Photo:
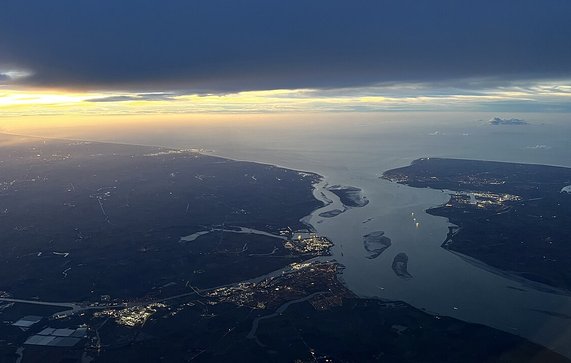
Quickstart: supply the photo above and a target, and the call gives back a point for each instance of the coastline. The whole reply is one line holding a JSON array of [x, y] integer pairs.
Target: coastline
[[500, 209], [313, 219]]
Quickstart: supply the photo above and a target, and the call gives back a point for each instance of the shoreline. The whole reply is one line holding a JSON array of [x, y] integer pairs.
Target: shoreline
[[312, 218], [494, 189], [167, 148]]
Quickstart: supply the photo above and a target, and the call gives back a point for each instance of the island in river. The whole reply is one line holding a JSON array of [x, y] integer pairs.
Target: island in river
[[514, 217], [115, 253]]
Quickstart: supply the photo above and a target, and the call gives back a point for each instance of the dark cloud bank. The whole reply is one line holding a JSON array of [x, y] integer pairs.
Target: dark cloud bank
[[141, 97], [226, 45]]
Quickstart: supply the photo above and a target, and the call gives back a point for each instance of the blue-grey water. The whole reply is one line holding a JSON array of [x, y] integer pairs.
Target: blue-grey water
[[355, 150]]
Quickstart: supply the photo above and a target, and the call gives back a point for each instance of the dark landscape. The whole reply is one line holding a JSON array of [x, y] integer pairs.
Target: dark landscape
[[515, 217], [202, 181], [115, 253]]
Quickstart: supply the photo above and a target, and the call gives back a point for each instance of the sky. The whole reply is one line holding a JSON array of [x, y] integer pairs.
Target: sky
[[74, 59]]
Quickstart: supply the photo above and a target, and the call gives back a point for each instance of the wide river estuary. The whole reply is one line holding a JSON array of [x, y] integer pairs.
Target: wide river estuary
[[355, 153]]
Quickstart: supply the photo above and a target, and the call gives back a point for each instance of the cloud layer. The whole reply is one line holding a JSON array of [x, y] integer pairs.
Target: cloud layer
[[138, 97], [507, 121], [232, 45]]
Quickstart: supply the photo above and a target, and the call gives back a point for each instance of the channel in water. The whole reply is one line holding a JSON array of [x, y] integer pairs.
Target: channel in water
[[442, 282]]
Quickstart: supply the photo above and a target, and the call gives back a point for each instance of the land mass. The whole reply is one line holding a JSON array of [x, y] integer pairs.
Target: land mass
[[115, 253], [351, 197], [376, 243], [80, 219], [515, 217]]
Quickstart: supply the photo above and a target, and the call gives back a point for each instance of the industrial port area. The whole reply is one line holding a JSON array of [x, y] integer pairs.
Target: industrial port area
[[79, 331]]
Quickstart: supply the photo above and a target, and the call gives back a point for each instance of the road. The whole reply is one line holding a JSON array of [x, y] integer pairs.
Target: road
[[72, 307]]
